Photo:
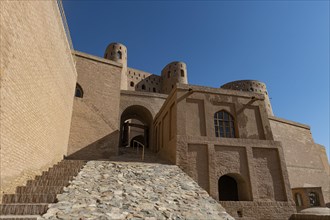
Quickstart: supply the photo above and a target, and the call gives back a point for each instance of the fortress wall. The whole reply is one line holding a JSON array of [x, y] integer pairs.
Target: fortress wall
[[253, 158], [306, 161], [94, 130], [37, 86], [151, 82]]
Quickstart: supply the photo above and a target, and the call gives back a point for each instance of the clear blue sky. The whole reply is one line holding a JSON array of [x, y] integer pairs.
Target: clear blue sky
[[282, 43]]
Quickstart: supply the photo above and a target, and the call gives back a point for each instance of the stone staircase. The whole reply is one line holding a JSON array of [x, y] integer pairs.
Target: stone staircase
[[31, 201]]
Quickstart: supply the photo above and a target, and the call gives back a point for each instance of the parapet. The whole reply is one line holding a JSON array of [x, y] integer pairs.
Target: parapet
[[251, 86]]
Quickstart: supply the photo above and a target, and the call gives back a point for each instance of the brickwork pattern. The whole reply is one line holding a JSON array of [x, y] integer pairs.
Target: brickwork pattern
[[37, 85], [95, 115], [33, 199], [306, 161]]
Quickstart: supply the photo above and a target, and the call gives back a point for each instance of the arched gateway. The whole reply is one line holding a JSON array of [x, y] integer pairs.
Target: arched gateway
[[136, 121]]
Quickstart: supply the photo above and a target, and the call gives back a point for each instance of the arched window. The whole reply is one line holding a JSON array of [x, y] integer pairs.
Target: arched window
[[314, 199], [143, 87], [132, 84], [228, 190], [79, 92], [182, 73], [119, 55], [224, 125], [298, 199]]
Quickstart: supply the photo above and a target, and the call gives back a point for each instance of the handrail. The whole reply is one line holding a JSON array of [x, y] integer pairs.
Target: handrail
[[137, 146]]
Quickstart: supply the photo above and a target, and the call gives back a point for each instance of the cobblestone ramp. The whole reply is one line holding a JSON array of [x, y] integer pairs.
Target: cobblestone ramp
[[121, 190], [31, 201]]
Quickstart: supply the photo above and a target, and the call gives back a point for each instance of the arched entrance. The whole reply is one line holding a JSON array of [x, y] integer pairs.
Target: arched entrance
[[135, 121], [228, 190], [233, 187]]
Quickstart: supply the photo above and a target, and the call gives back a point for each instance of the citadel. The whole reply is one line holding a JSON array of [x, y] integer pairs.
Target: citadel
[[59, 103]]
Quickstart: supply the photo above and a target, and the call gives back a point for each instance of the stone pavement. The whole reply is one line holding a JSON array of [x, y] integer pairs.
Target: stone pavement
[[134, 190]]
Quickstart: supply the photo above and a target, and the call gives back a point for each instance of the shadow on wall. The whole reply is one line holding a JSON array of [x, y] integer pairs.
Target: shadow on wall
[[148, 84], [100, 149]]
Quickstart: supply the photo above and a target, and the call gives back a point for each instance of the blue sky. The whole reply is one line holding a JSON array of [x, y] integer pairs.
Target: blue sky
[[282, 43]]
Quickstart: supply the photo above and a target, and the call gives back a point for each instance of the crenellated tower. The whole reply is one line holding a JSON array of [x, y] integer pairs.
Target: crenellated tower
[[118, 53], [173, 73], [251, 86]]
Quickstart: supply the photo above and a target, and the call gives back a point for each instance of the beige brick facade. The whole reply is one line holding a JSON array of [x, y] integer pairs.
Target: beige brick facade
[[224, 138], [306, 161], [37, 88], [95, 125]]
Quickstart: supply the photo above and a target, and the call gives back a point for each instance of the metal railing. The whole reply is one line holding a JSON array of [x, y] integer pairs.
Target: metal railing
[[138, 144]]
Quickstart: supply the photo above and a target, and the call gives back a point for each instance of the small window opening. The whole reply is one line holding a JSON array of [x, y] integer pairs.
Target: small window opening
[[143, 87], [154, 89], [168, 74], [79, 92], [298, 199], [314, 199], [132, 84], [240, 213], [182, 73], [119, 55]]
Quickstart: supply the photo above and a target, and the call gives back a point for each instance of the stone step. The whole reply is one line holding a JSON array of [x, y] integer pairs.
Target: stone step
[[71, 162], [52, 177], [60, 173], [28, 198], [64, 169], [19, 217], [23, 209], [47, 183], [39, 189]]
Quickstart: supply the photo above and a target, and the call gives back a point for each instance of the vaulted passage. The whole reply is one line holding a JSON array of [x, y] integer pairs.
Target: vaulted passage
[[228, 190], [136, 124]]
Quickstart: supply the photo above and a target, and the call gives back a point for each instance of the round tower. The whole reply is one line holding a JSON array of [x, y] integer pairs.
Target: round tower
[[118, 53], [173, 73], [251, 86]]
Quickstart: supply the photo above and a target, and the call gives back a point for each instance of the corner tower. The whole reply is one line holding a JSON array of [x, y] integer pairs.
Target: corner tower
[[118, 52], [172, 73], [251, 86]]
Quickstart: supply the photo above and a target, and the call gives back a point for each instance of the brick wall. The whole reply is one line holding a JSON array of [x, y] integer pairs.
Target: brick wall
[[94, 130], [306, 161], [37, 86]]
